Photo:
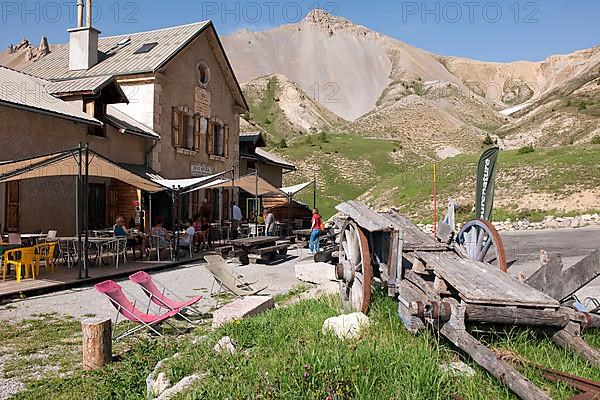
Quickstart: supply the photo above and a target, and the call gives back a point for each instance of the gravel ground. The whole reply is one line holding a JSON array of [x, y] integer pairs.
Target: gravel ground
[[190, 280]]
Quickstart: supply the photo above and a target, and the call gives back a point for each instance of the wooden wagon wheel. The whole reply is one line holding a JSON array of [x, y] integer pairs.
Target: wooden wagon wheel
[[354, 269], [478, 240]]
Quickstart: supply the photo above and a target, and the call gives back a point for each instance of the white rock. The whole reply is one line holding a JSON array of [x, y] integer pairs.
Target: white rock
[[346, 326], [565, 224], [160, 384], [317, 273], [225, 344], [595, 217], [179, 387], [458, 368], [586, 217]]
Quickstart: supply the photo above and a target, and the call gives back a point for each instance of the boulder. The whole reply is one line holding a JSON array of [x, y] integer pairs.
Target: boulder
[[225, 345], [346, 326], [240, 308], [317, 273], [160, 384]]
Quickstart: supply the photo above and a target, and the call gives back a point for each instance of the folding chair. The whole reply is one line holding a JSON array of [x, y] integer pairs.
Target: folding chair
[[127, 309], [156, 293], [226, 280]]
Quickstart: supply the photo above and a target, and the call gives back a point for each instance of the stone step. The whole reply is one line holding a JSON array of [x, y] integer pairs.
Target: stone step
[[241, 308]]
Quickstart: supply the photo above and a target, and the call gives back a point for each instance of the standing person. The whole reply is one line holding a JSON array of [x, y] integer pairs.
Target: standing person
[[315, 233], [269, 222], [236, 219], [205, 211]]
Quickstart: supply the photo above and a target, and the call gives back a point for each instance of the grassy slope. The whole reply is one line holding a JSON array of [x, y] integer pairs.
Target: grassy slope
[[345, 165], [561, 170], [282, 354]]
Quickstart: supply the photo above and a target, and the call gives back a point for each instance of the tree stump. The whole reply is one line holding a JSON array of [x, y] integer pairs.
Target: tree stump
[[97, 343]]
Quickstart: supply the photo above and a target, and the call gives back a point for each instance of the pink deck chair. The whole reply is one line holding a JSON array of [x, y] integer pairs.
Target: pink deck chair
[[127, 309], [156, 293]]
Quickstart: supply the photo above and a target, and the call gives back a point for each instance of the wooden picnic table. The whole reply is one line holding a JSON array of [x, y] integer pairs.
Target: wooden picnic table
[[259, 248]]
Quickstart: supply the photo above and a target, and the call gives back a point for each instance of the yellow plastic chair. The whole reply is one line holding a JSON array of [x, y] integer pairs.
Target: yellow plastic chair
[[20, 258], [44, 252]]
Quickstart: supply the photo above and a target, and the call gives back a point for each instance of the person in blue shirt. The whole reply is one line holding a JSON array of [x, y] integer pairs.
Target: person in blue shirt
[[133, 240]]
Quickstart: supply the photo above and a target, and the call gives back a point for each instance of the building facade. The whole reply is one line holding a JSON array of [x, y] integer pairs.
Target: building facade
[[171, 107]]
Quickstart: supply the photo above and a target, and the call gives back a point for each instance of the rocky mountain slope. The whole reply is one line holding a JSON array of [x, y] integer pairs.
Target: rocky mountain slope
[[389, 89]]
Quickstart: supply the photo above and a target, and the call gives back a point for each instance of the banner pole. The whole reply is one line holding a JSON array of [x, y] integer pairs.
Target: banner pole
[[435, 199]]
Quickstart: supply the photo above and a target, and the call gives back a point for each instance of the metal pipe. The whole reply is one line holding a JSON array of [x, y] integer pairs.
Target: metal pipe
[[86, 213], [88, 10], [80, 13], [78, 209]]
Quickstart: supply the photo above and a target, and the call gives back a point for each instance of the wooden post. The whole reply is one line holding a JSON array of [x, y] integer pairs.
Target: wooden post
[[97, 343], [435, 200]]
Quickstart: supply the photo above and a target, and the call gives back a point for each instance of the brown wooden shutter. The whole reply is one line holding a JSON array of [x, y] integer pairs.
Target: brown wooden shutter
[[210, 138], [176, 127], [226, 141], [197, 132]]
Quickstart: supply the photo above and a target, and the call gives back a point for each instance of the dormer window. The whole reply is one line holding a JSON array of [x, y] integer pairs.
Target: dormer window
[[146, 48]]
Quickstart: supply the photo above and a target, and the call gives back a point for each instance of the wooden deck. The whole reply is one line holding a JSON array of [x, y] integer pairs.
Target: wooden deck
[[65, 278]]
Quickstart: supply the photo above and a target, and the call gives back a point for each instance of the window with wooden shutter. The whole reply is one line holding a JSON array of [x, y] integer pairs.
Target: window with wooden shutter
[[176, 127], [197, 118], [226, 147], [210, 141]]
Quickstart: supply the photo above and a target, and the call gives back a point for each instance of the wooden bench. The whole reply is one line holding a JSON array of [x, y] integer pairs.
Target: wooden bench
[[224, 251], [268, 253]]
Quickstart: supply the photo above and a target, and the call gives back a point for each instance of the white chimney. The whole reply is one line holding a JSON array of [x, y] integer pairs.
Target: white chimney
[[83, 40]]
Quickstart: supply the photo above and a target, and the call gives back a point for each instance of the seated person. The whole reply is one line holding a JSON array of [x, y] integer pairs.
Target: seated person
[[186, 239], [160, 232], [133, 240]]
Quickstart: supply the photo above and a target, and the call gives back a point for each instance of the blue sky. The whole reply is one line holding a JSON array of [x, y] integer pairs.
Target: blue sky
[[501, 30]]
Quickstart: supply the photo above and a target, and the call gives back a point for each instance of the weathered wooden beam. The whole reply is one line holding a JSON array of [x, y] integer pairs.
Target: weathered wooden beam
[[558, 283], [325, 255], [408, 293], [516, 316], [454, 330], [569, 338], [394, 262]]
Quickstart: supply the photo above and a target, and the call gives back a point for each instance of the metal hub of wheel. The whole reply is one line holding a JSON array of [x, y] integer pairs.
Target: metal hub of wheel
[[478, 240], [354, 270]]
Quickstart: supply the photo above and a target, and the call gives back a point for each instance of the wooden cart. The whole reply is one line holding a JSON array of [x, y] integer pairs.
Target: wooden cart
[[447, 286]]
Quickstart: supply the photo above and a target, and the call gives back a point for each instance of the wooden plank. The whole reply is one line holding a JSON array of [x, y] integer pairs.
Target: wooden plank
[[480, 284], [413, 237], [365, 217], [454, 330], [559, 283]]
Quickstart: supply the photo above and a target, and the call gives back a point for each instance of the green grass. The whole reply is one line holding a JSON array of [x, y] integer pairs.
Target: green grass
[[346, 165], [562, 170], [282, 354]]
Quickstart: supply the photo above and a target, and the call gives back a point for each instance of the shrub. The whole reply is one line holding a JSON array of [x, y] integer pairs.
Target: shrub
[[582, 106], [323, 137], [596, 140], [526, 150], [282, 144], [488, 140]]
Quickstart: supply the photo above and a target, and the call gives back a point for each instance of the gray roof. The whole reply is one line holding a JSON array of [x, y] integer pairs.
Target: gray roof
[[91, 85], [273, 159], [128, 124], [121, 60], [30, 93]]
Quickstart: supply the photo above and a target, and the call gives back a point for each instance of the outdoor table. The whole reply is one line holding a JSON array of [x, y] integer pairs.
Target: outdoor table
[[95, 241], [6, 247], [260, 247]]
